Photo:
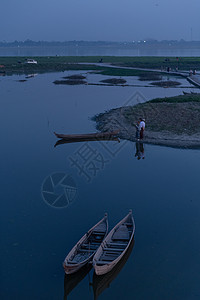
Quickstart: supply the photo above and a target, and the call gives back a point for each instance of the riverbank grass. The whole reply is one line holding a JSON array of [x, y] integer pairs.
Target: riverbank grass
[[18, 65]]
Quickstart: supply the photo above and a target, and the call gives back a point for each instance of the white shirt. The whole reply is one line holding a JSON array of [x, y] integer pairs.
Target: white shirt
[[142, 125]]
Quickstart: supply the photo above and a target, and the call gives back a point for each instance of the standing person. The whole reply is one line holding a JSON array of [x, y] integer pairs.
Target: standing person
[[141, 128]]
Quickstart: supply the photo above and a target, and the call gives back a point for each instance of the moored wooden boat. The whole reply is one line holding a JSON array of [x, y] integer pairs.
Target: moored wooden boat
[[87, 136], [62, 141], [86, 247], [100, 283], [115, 245]]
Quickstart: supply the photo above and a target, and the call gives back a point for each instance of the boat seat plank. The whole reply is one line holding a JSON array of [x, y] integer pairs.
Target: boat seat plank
[[94, 243], [102, 263], [109, 255], [121, 239], [116, 244], [100, 234], [85, 250], [108, 259], [89, 247], [99, 231], [113, 249]]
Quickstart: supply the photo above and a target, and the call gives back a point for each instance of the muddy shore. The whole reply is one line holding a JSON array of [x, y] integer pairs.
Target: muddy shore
[[170, 122]]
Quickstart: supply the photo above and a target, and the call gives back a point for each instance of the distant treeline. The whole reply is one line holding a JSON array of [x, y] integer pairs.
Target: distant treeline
[[141, 43]]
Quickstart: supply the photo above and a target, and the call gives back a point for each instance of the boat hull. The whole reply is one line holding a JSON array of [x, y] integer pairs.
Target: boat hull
[[100, 266], [84, 250], [99, 270], [100, 135], [73, 269], [100, 283]]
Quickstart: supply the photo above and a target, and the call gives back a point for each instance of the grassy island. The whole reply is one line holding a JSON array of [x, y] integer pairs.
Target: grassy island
[[170, 121]]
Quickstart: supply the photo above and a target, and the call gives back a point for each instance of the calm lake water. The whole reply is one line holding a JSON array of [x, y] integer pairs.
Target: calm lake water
[[93, 51], [162, 190]]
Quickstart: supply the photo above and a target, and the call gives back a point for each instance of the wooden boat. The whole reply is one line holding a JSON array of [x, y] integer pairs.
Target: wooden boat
[[87, 136], [86, 247], [62, 141], [115, 245], [100, 283]]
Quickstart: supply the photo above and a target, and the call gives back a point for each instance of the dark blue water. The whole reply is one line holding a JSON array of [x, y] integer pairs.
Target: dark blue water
[[162, 190]]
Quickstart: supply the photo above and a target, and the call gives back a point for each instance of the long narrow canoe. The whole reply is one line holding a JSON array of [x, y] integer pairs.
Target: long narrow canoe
[[62, 141], [87, 136], [115, 245], [86, 247]]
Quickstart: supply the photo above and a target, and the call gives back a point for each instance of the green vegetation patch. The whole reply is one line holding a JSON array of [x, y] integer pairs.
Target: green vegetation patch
[[167, 83], [156, 62], [18, 65], [70, 82], [114, 81], [75, 77], [177, 99]]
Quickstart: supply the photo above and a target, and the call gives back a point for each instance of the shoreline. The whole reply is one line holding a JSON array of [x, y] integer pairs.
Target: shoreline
[[161, 128], [106, 65]]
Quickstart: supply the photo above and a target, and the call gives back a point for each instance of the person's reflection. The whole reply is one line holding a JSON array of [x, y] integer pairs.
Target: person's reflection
[[139, 150]]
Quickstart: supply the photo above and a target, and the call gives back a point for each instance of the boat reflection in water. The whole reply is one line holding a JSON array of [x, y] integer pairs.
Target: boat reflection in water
[[100, 283], [72, 280], [63, 141]]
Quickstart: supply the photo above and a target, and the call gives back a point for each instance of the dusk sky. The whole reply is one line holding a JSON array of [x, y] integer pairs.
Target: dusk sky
[[93, 20]]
